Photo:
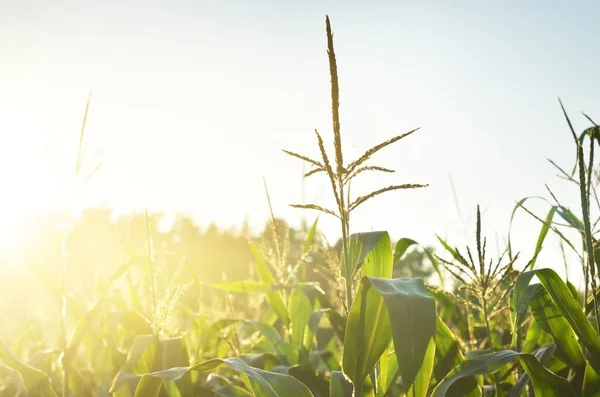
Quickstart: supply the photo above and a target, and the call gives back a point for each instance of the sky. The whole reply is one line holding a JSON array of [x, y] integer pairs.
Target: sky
[[192, 102]]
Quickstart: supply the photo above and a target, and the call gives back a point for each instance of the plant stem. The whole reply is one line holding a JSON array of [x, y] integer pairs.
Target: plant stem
[[151, 270], [66, 363], [344, 222], [585, 207], [489, 335], [584, 186], [344, 257]]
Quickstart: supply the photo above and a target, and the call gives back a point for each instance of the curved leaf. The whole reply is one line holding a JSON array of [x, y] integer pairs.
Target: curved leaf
[[404, 244], [263, 383], [272, 337], [388, 370], [300, 309], [545, 383], [310, 237], [591, 382], [401, 247], [368, 333], [360, 245], [338, 322], [571, 310], [35, 381], [420, 386], [543, 354], [339, 385], [312, 327], [519, 305], [379, 262], [549, 318], [543, 233], [265, 276], [384, 309], [448, 356]]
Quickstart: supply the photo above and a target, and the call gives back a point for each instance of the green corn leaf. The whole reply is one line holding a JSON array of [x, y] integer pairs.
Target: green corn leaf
[[549, 318], [543, 233], [448, 356], [300, 310], [310, 237], [534, 337], [384, 309], [543, 354], [312, 326], [453, 252], [379, 262], [35, 381], [519, 306], [262, 383], [571, 218], [591, 382], [265, 276], [272, 338], [150, 354], [318, 385], [401, 247], [420, 386], [404, 244], [360, 245], [578, 297], [87, 320], [143, 356], [338, 322], [339, 386], [570, 309], [83, 325], [388, 370], [545, 383], [368, 333]]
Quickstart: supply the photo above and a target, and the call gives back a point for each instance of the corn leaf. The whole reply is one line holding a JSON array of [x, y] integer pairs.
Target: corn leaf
[[339, 385], [35, 381], [420, 386], [360, 245], [448, 356], [549, 318], [591, 382], [265, 276], [404, 244], [300, 309], [545, 383], [310, 237], [262, 383], [384, 310], [570, 309], [379, 262]]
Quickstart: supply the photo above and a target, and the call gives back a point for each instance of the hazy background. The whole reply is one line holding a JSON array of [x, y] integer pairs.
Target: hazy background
[[192, 102]]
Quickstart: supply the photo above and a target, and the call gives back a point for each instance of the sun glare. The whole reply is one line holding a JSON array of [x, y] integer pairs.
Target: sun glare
[[12, 230], [29, 196]]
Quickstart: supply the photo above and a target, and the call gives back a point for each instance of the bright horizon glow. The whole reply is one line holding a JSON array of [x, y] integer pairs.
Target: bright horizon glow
[[191, 104]]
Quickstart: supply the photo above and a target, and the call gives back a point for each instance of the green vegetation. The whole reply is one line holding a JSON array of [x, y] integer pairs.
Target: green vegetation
[[124, 308]]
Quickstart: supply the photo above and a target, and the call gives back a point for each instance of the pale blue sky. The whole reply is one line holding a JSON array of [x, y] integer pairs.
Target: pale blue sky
[[192, 102]]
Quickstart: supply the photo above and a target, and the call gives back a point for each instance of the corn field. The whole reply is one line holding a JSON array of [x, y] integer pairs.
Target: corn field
[[492, 326]]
